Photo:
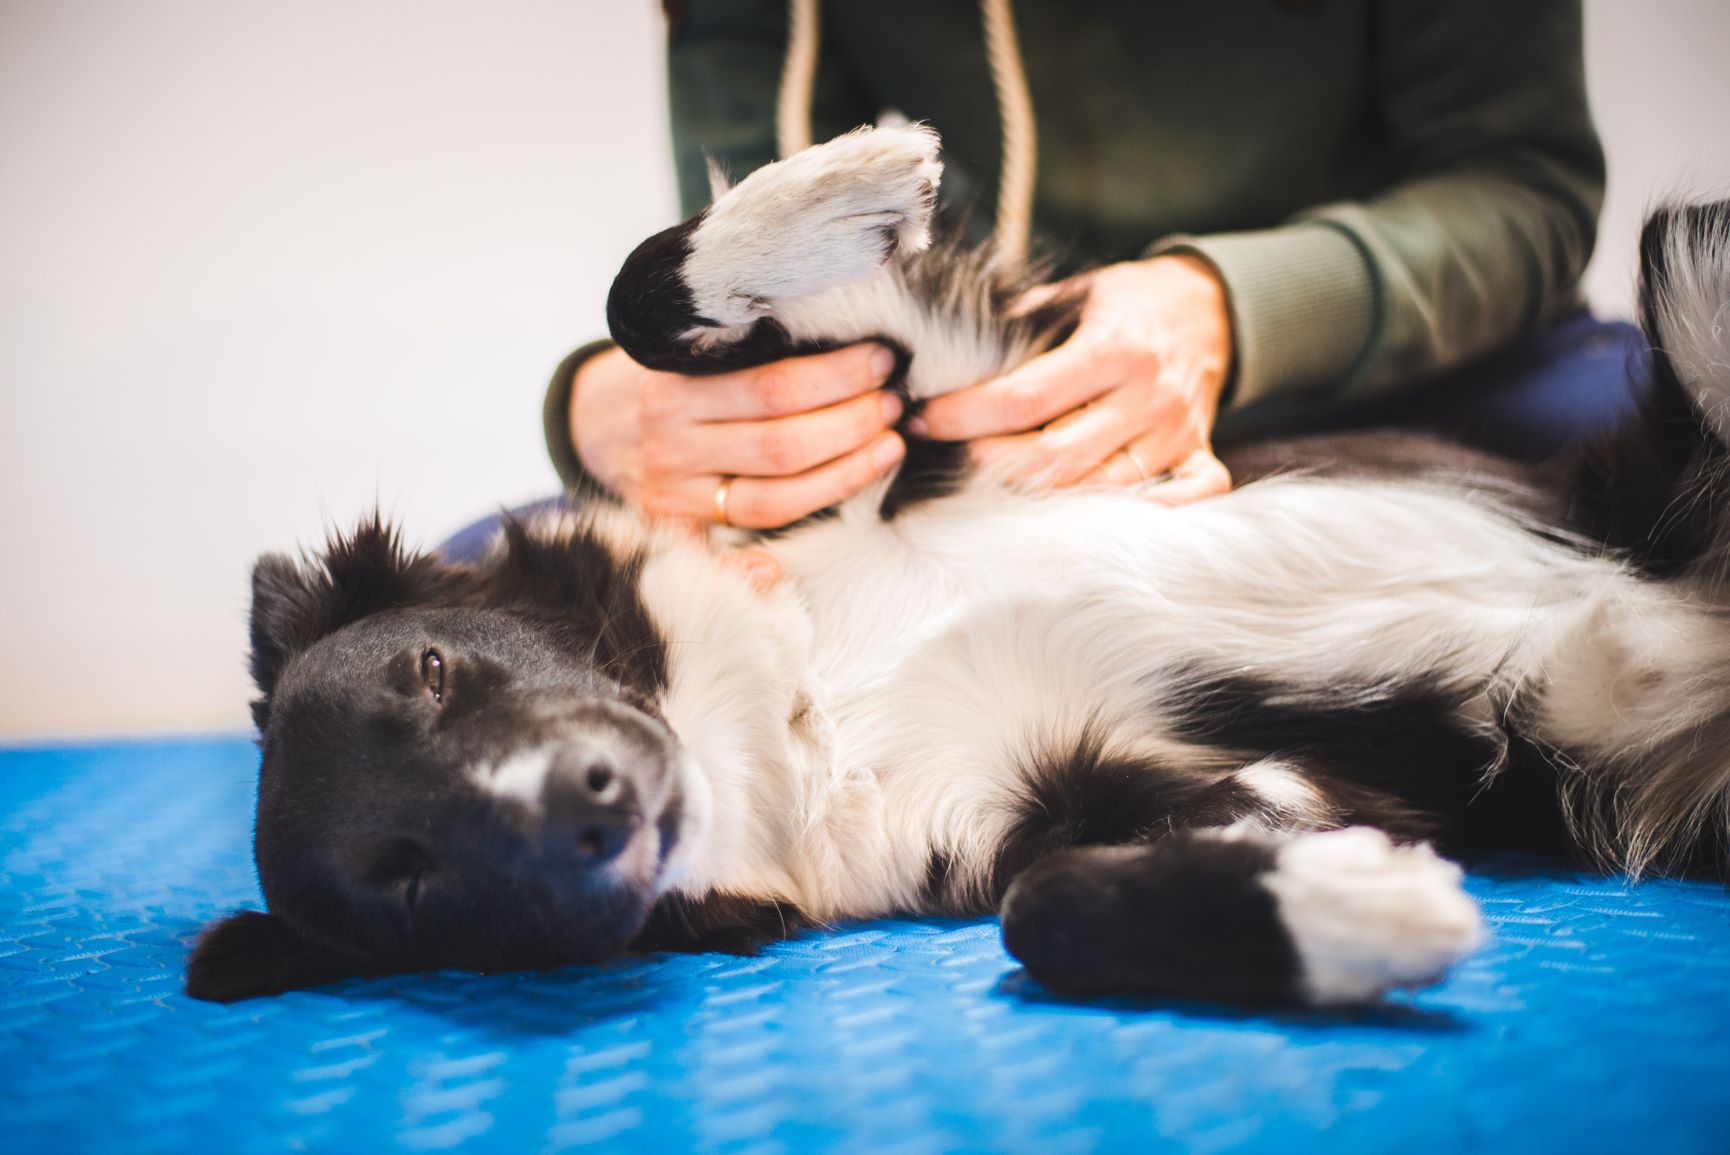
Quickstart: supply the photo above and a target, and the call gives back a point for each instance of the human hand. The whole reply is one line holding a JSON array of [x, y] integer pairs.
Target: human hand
[[795, 436], [1130, 396]]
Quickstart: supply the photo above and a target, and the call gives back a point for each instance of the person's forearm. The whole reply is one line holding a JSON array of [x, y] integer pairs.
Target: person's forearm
[[1465, 262]]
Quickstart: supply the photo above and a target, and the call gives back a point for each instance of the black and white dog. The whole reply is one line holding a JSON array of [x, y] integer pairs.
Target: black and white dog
[[1198, 752]]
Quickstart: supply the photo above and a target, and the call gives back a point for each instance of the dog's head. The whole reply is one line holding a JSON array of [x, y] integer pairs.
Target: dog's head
[[462, 766]]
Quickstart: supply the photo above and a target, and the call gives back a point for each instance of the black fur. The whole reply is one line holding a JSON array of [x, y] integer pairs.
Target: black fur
[[929, 470], [378, 849], [1657, 487], [1089, 797], [1405, 759], [588, 593], [649, 306], [1185, 916], [363, 573], [647, 310], [251, 953], [729, 923], [1397, 455], [944, 890]]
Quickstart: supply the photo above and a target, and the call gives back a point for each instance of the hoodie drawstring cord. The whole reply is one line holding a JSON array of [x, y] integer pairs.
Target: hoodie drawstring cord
[[1014, 114], [1020, 139], [798, 77]]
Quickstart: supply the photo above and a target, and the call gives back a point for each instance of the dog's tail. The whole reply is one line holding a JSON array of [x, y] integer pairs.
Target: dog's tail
[[1659, 489], [1658, 493]]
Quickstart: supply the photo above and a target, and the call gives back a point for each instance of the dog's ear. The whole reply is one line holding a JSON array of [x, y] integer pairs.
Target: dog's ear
[[365, 572], [251, 953], [283, 596]]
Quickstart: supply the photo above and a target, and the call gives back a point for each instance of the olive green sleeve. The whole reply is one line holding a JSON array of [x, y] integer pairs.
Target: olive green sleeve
[[556, 423], [1483, 229]]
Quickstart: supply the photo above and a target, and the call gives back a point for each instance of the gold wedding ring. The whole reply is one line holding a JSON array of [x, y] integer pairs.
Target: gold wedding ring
[[1135, 461], [721, 492]]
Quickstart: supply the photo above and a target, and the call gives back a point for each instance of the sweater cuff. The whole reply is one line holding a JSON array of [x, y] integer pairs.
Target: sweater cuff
[[556, 423], [1303, 305]]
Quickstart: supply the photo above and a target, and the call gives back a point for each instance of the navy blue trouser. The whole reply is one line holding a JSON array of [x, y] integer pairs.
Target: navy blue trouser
[[1539, 397]]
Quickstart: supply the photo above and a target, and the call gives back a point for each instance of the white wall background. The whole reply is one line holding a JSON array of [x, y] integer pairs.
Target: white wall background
[[265, 264], [1661, 96]]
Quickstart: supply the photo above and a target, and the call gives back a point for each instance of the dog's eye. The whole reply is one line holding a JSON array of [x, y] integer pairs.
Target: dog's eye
[[432, 674], [399, 865]]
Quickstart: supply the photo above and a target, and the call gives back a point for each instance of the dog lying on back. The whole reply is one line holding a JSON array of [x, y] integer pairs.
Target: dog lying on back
[[1200, 752]]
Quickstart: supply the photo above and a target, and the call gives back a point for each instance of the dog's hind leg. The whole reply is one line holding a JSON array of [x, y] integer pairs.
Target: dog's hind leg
[[1122, 875], [1240, 915]]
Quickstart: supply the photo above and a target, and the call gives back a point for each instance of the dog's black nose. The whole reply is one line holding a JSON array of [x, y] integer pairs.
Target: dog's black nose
[[591, 803]]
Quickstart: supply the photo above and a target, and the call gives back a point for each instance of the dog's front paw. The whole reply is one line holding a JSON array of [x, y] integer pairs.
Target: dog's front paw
[[826, 216], [1367, 916]]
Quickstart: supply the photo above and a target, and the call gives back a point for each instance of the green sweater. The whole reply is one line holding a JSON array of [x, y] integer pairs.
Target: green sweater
[[1388, 188]]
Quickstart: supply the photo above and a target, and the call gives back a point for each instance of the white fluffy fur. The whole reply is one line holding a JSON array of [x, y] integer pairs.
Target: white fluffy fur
[[1289, 803], [822, 216], [1367, 916], [519, 777]]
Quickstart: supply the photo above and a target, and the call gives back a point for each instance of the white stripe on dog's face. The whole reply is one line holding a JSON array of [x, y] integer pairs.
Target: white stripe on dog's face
[[520, 776]]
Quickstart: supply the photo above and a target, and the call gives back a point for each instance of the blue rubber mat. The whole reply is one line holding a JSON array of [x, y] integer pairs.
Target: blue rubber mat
[[1597, 1021]]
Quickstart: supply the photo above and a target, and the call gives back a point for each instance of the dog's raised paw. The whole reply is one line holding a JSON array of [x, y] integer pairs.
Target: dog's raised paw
[[1367, 916], [875, 180], [826, 216]]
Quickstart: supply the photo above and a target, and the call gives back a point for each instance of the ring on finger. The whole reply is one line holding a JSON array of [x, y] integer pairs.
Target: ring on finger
[[722, 491], [1140, 469]]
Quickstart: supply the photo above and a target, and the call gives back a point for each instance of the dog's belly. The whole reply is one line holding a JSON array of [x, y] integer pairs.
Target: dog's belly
[[959, 642], [1301, 576]]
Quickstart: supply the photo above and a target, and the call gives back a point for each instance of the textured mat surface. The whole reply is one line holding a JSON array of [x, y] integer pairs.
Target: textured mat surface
[[1597, 1021]]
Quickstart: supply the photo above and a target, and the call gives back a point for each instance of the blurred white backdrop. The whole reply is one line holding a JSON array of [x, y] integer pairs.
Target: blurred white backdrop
[[265, 265]]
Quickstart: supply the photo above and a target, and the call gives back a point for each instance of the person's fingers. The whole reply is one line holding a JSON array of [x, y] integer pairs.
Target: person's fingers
[[774, 502], [1077, 443], [1049, 385], [1199, 475], [1119, 470], [1169, 441], [780, 447], [779, 389], [1132, 463], [1010, 458]]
